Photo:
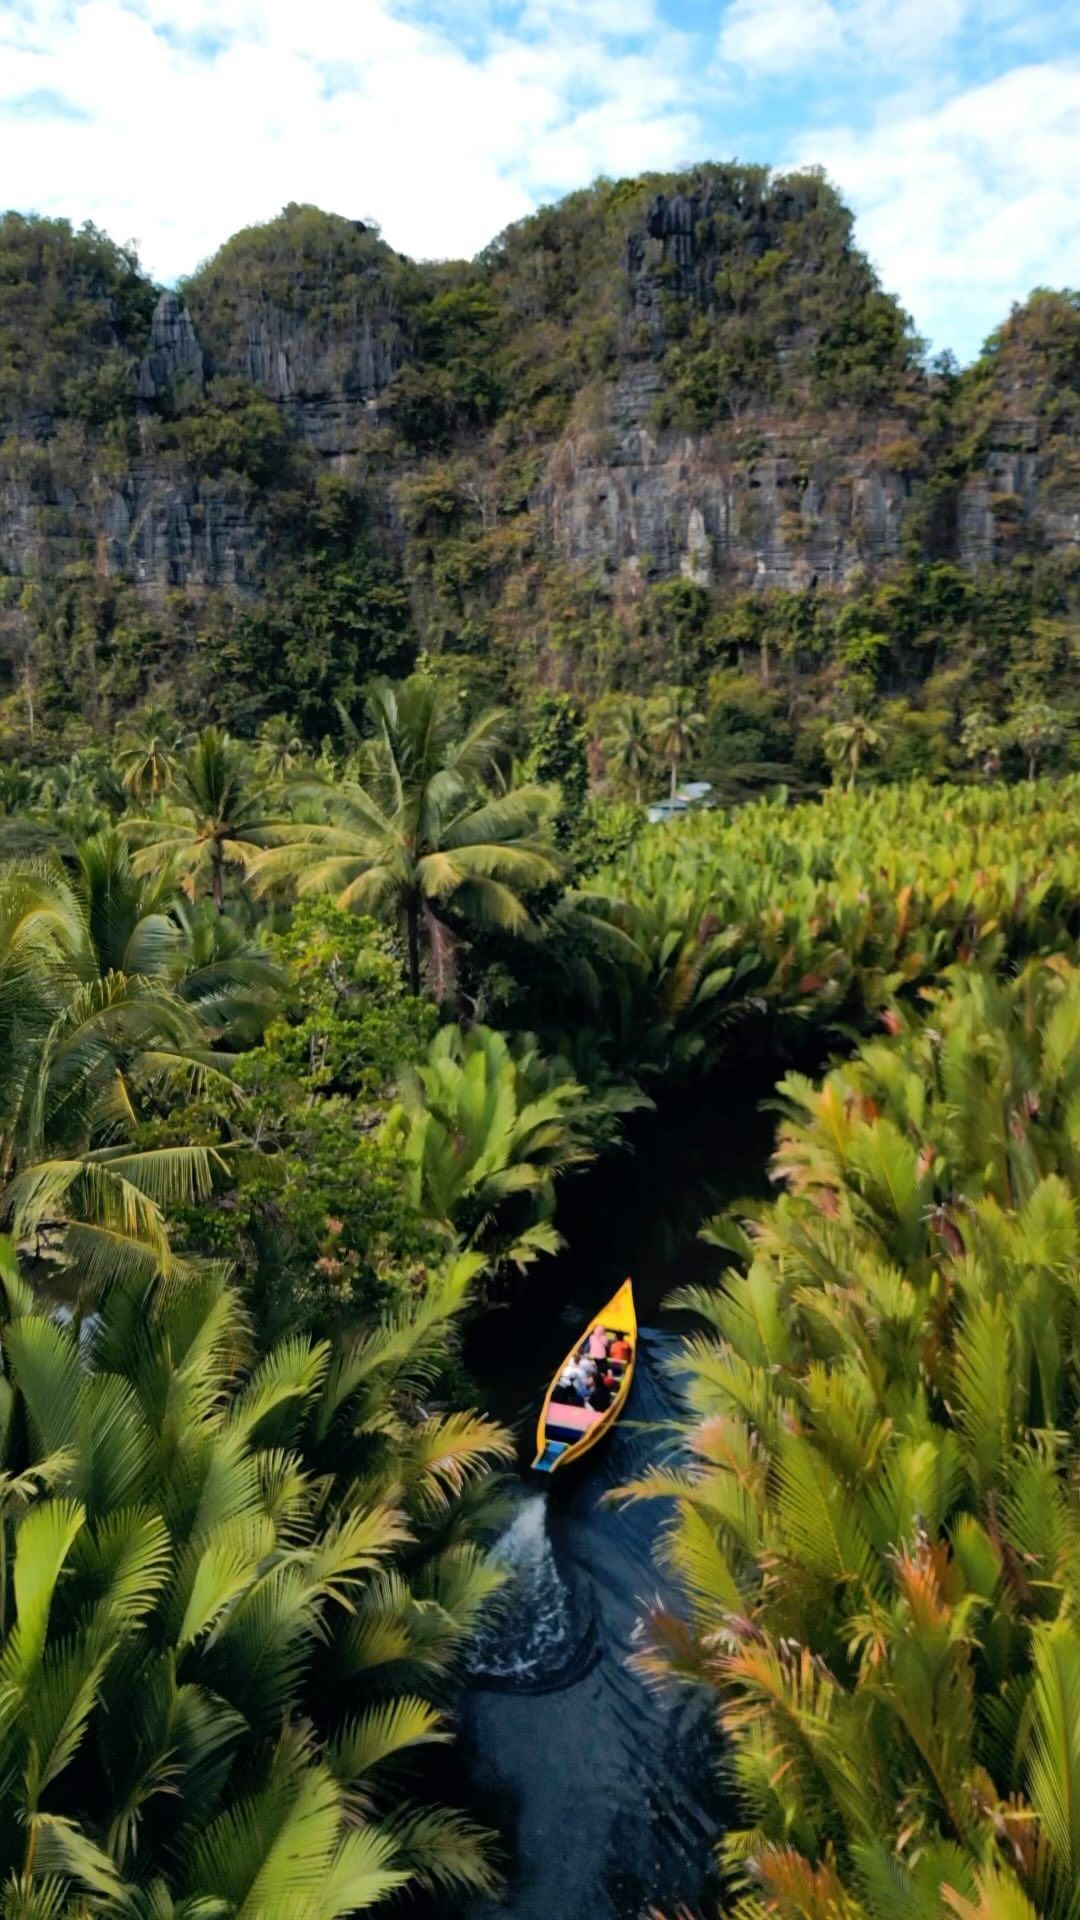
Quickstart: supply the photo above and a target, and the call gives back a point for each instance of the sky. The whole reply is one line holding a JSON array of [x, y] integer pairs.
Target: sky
[[952, 127]]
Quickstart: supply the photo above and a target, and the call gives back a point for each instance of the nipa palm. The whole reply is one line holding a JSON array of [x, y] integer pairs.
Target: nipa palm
[[233, 1587], [486, 1126], [877, 1530]]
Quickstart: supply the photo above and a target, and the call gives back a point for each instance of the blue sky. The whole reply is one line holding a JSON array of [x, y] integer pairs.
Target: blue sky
[[951, 126]]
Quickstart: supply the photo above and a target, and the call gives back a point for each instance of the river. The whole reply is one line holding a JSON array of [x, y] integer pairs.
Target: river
[[603, 1786]]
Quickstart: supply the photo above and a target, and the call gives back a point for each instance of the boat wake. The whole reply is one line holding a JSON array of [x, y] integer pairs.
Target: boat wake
[[605, 1787], [603, 1781], [539, 1636]]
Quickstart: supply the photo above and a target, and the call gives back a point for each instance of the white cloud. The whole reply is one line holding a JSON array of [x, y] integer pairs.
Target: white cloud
[[612, 18], [187, 124], [795, 36], [967, 207], [779, 36], [963, 192], [447, 119]]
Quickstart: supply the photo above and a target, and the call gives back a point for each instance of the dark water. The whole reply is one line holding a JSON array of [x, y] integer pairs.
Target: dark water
[[603, 1785]]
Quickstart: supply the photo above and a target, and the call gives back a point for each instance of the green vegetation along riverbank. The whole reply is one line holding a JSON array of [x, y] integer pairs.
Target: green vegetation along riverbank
[[878, 1532], [298, 1054]]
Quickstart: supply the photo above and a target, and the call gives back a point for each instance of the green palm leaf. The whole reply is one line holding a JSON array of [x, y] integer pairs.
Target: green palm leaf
[[1055, 1748], [417, 835], [384, 1730]]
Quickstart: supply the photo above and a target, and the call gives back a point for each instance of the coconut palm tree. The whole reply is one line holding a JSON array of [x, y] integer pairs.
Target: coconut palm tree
[[1037, 729], [676, 726], [69, 796], [280, 746], [128, 916], [146, 754], [851, 740], [413, 834], [141, 924], [234, 1584], [224, 973], [215, 817], [628, 748], [80, 1038]]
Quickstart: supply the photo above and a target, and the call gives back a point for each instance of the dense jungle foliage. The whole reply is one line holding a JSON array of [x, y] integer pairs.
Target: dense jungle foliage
[[878, 1530], [298, 1052], [74, 311]]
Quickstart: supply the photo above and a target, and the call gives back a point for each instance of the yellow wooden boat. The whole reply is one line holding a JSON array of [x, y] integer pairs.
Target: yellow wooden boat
[[568, 1427]]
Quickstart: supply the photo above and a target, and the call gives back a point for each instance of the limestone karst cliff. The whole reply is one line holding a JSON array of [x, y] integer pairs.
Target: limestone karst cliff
[[693, 377]]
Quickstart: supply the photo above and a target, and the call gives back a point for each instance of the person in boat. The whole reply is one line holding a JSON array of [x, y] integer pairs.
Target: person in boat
[[603, 1392], [574, 1384], [598, 1344], [565, 1393], [621, 1350]]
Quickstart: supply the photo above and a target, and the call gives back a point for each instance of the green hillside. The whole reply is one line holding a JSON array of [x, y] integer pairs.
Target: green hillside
[[670, 431]]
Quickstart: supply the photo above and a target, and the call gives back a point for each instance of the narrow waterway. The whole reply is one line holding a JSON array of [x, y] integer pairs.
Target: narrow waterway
[[603, 1785]]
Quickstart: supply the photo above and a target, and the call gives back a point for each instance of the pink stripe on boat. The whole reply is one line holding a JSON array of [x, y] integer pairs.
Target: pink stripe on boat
[[579, 1418]]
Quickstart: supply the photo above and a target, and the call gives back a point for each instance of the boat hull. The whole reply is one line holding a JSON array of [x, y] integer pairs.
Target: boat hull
[[565, 1433]]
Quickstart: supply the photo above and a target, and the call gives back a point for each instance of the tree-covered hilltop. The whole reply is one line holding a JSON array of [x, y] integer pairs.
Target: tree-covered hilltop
[[737, 282], [1023, 396], [75, 313], [670, 431], [316, 264]]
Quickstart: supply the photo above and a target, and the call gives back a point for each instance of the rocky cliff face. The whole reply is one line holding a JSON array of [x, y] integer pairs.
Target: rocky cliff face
[[320, 339], [175, 358], [71, 497], [796, 466], [63, 509], [326, 374], [1016, 503], [777, 506], [676, 504], [771, 494], [763, 496], [1023, 415], [313, 322], [166, 534]]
